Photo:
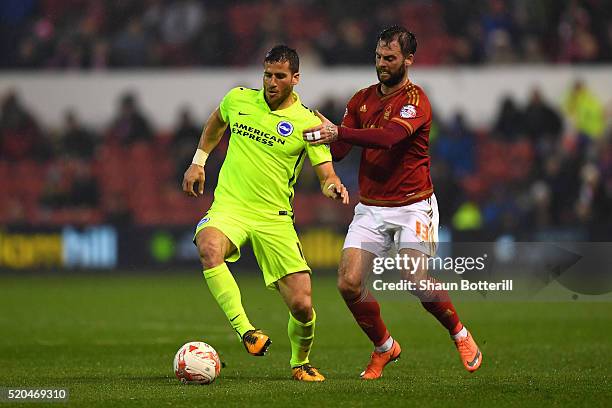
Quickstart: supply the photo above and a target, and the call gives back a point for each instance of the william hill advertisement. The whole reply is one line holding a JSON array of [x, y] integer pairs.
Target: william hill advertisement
[[93, 247], [105, 247]]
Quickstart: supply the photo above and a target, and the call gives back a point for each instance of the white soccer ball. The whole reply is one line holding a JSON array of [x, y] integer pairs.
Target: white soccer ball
[[197, 363]]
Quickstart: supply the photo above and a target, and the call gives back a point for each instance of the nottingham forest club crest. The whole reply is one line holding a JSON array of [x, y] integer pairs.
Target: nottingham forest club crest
[[284, 128]]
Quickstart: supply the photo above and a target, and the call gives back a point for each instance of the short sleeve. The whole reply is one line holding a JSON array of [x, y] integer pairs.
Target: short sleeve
[[318, 154], [226, 104]]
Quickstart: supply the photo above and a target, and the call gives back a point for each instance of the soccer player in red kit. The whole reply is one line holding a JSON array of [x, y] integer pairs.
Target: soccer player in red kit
[[397, 207]]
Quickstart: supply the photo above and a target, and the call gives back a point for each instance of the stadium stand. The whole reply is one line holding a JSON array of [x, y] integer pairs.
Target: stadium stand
[[536, 166]]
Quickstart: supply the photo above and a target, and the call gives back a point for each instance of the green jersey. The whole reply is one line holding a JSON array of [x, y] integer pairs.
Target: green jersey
[[265, 154]]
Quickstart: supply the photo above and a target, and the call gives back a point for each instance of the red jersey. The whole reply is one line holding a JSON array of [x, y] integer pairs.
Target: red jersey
[[394, 172]]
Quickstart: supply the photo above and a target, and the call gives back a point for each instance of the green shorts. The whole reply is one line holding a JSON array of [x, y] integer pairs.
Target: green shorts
[[275, 243]]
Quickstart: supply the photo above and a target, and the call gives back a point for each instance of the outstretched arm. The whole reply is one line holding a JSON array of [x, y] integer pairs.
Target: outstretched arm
[[211, 135], [331, 186], [377, 138]]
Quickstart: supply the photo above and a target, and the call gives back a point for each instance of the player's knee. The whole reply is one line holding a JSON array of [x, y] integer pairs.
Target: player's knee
[[349, 279], [349, 287], [211, 253], [414, 276], [301, 308]]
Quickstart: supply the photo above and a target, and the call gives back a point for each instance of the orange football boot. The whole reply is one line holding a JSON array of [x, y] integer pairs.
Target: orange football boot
[[307, 373], [470, 354], [378, 361], [256, 342]]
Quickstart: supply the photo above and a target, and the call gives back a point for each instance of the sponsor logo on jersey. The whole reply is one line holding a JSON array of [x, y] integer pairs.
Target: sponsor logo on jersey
[[408, 111], [284, 128], [363, 108], [241, 129]]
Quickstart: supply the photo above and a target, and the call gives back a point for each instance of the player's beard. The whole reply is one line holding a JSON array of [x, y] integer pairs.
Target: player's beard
[[394, 77], [280, 96]]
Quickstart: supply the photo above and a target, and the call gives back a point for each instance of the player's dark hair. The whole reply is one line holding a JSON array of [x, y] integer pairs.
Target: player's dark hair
[[406, 40], [282, 53]]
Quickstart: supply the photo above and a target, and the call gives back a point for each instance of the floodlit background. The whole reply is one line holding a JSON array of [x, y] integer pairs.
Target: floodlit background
[[102, 104], [101, 107]]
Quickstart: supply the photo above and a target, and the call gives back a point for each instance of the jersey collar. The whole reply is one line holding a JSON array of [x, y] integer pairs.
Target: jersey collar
[[280, 112], [383, 97]]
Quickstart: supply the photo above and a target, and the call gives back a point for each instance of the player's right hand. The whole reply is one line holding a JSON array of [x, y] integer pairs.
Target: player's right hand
[[325, 133], [193, 175]]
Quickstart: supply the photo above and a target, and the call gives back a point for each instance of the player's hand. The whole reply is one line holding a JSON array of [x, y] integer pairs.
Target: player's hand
[[193, 175], [325, 133], [336, 191]]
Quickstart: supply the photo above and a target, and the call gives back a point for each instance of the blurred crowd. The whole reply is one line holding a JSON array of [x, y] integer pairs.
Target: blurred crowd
[[536, 169], [91, 34]]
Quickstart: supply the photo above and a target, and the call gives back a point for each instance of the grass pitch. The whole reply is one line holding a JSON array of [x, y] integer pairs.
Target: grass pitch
[[111, 341]]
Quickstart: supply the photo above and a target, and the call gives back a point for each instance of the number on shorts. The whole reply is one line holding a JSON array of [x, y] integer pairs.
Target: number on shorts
[[422, 231]]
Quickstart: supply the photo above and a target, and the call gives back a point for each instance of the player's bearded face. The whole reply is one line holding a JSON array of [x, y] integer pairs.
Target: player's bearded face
[[278, 82], [390, 63], [391, 78]]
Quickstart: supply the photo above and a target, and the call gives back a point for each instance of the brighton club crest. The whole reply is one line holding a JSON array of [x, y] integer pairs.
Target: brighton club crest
[[284, 128]]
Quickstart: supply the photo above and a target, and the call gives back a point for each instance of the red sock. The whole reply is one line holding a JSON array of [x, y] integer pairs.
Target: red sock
[[366, 311], [439, 304]]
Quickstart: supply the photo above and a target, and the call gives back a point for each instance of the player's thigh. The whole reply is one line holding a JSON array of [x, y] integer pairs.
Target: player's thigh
[[220, 235], [278, 250], [355, 267], [417, 265], [368, 232], [419, 226]]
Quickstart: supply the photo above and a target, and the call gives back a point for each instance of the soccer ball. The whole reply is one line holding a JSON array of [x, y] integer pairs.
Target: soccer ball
[[197, 363]]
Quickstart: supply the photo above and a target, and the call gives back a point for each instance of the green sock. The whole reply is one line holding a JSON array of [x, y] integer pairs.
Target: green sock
[[301, 336], [227, 294]]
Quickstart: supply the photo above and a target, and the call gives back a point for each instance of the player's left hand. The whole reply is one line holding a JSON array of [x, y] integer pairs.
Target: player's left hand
[[193, 175], [336, 191], [325, 133]]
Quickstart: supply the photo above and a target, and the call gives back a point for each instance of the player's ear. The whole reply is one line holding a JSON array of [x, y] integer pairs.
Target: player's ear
[[295, 79], [409, 60]]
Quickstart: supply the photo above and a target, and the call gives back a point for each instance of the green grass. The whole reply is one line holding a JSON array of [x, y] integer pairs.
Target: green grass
[[111, 341]]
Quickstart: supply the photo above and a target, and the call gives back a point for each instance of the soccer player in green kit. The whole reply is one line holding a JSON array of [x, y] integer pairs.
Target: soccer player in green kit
[[253, 202]]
